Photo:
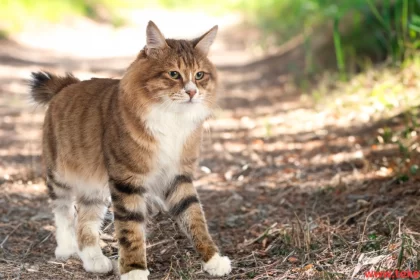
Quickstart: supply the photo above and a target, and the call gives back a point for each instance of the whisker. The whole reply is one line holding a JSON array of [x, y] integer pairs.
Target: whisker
[[150, 101], [213, 103]]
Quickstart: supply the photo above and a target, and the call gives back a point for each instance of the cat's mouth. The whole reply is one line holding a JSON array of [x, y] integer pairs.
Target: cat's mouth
[[187, 101], [190, 101]]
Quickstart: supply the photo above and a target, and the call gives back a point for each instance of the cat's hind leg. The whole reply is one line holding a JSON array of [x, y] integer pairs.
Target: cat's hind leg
[[92, 202], [64, 216], [128, 200]]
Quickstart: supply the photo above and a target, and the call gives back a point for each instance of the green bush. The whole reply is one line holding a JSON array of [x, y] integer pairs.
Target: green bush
[[377, 29], [15, 14]]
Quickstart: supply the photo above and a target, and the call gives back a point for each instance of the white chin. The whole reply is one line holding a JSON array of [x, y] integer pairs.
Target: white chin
[[194, 111], [186, 106]]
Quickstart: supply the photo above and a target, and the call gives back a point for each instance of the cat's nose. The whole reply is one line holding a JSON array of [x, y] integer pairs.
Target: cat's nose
[[191, 92]]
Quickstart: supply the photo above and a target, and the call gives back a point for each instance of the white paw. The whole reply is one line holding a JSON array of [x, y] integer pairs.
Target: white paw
[[135, 275], [94, 261], [100, 264], [62, 253], [218, 266]]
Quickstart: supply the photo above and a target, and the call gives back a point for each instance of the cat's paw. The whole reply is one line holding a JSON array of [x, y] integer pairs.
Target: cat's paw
[[99, 264], [218, 266], [94, 261], [136, 275], [64, 252]]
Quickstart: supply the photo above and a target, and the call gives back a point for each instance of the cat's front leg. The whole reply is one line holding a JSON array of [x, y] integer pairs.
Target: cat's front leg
[[129, 216], [183, 203]]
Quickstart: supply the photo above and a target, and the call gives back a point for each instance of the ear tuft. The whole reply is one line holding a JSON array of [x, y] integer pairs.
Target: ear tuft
[[154, 38], [204, 42]]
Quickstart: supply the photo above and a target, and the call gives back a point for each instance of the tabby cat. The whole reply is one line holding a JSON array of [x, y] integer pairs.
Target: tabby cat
[[135, 140]]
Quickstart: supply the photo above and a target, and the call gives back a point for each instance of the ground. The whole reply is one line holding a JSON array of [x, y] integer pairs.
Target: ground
[[290, 191]]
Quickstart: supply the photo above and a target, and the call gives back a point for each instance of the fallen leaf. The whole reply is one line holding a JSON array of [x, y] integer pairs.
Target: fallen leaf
[[258, 142], [264, 243], [393, 246], [293, 259], [308, 267]]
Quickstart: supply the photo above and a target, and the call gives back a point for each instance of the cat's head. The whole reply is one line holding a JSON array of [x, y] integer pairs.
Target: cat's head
[[175, 75]]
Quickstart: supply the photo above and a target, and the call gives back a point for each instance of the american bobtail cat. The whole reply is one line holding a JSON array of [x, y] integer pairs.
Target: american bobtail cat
[[136, 140]]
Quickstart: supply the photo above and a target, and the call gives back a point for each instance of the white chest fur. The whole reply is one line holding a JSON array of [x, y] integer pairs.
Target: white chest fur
[[171, 129]]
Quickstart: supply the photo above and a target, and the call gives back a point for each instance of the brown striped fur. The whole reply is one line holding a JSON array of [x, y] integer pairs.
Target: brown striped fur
[[136, 140]]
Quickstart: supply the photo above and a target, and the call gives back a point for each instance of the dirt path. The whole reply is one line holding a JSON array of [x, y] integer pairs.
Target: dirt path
[[289, 192]]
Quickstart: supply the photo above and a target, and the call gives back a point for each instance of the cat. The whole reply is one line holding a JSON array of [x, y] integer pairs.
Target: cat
[[135, 140]]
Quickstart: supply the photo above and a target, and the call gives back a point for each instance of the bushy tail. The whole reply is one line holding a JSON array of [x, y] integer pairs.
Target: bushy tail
[[45, 85]]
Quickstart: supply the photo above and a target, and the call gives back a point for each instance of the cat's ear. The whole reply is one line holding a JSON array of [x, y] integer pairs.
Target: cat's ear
[[204, 42], [155, 40]]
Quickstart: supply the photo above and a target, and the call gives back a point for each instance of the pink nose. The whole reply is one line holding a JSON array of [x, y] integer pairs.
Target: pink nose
[[191, 92]]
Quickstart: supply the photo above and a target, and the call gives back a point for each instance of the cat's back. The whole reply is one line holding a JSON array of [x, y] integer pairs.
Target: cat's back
[[79, 108], [85, 93], [74, 126]]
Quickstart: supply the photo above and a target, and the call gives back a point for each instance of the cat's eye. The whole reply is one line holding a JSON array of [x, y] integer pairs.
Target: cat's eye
[[199, 75], [174, 75]]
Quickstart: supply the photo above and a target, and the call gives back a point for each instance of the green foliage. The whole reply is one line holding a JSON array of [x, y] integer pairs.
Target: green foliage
[[339, 49], [215, 6], [360, 28], [373, 243], [3, 34], [251, 274], [405, 140], [414, 169], [14, 14]]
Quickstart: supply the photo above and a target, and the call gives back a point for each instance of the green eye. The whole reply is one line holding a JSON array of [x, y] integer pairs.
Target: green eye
[[174, 75], [199, 75]]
